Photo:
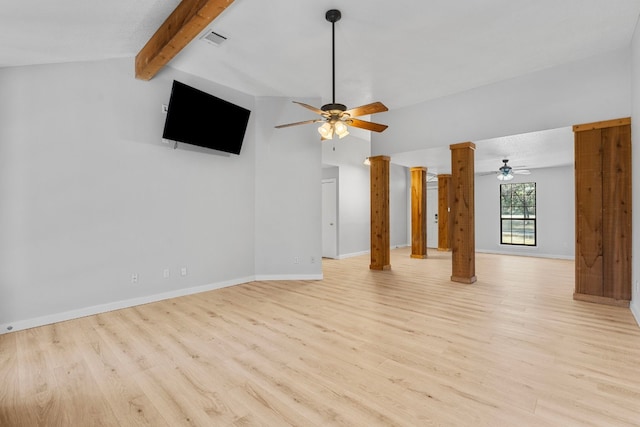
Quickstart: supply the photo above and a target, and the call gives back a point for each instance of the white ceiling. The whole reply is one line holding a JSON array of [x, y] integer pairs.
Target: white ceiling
[[534, 150], [401, 52]]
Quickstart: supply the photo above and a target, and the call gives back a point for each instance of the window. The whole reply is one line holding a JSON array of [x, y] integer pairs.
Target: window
[[518, 214]]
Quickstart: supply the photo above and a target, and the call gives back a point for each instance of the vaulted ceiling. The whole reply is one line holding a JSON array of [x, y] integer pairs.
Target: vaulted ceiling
[[401, 52]]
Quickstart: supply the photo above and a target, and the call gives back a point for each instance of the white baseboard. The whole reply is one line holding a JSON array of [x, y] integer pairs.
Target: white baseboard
[[268, 277], [117, 305], [344, 256], [531, 254], [635, 310], [351, 255]]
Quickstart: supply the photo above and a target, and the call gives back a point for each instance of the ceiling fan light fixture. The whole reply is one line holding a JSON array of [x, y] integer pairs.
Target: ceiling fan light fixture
[[505, 172], [326, 130], [336, 116], [505, 177], [340, 129]]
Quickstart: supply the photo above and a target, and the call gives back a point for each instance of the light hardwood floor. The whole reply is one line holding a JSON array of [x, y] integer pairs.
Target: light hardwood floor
[[405, 347]]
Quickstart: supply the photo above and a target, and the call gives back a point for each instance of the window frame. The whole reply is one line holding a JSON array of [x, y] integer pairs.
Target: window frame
[[524, 217]]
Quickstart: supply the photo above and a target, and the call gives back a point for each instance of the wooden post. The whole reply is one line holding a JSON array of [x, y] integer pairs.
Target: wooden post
[[462, 213], [588, 205], [380, 230], [603, 212], [418, 212], [445, 200]]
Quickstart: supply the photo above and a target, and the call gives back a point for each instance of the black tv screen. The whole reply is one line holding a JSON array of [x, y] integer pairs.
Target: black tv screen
[[198, 118]]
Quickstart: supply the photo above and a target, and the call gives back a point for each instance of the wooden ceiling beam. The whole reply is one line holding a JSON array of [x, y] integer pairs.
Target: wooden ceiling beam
[[188, 19]]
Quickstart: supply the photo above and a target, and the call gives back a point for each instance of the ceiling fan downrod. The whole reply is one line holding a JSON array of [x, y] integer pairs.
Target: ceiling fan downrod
[[333, 16], [336, 117]]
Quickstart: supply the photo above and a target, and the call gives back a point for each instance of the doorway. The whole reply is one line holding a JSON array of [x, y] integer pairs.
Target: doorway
[[329, 218], [432, 216]]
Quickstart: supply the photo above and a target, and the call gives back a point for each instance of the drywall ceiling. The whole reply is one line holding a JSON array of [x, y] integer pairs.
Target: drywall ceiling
[[401, 52], [534, 150], [43, 32]]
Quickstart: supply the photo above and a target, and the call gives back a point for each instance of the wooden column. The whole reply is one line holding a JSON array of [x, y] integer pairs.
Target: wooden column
[[445, 200], [603, 212], [380, 240], [463, 255], [418, 212]]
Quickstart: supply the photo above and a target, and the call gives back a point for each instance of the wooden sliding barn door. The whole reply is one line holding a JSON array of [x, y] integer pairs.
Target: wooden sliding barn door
[[603, 212]]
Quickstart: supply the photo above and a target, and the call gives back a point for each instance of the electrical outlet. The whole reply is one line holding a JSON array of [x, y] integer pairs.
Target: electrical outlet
[[313, 260], [165, 273], [296, 260], [183, 271], [134, 278]]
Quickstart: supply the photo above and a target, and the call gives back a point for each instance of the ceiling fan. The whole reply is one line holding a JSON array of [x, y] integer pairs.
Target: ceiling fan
[[506, 172], [336, 117]]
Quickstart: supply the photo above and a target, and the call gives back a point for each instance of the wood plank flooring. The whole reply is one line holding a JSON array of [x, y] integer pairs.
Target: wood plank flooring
[[405, 347]]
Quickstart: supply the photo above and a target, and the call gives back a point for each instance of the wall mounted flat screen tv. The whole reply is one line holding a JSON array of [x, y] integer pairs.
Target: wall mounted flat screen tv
[[198, 118]]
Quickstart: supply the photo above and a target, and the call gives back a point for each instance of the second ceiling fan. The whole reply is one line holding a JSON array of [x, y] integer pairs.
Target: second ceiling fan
[[506, 172], [335, 116]]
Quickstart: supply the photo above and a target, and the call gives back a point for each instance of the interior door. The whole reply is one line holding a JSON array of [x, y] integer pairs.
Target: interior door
[[432, 219], [329, 218]]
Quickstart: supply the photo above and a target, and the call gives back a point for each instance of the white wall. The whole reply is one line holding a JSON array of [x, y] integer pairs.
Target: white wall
[[288, 187], [399, 206], [555, 213], [354, 210], [89, 195], [354, 191], [581, 92], [635, 131], [348, 154]]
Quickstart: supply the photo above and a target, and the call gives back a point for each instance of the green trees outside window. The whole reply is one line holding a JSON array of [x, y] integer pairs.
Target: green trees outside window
[[518, 214]]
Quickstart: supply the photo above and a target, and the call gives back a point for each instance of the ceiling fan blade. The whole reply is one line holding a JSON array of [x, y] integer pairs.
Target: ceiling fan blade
[[365, 110], [376, 127], [299, 123], [311, 107], [522, 171]]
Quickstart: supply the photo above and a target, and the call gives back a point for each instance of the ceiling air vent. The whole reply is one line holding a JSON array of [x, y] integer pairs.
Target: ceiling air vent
[[213, 38]]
